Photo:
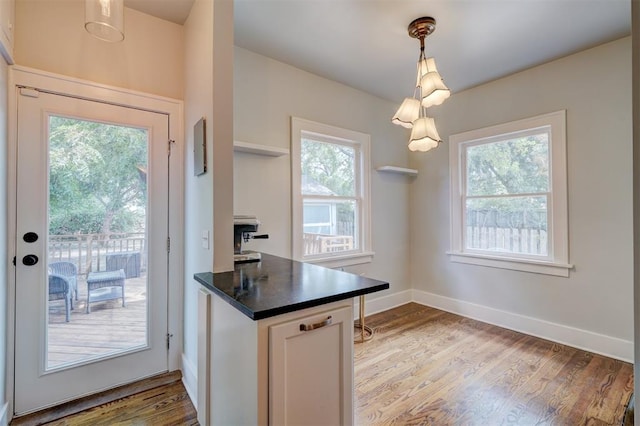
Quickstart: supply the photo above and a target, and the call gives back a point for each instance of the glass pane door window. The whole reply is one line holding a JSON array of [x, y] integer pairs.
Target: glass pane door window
[[97, 272]]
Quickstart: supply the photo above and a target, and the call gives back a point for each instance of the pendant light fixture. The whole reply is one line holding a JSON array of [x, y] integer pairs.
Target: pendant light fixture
[[104, 19], [430, 90]]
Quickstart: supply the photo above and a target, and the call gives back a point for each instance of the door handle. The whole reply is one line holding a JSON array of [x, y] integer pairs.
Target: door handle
[[30, 260]]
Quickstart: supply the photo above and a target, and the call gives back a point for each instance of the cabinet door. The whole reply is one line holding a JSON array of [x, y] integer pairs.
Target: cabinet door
[[311, 370]]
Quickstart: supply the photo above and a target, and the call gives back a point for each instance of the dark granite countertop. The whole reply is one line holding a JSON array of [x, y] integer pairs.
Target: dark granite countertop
[[276, 285]]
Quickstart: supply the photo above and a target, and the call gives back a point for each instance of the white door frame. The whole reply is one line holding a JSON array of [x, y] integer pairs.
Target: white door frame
[[70, 86]]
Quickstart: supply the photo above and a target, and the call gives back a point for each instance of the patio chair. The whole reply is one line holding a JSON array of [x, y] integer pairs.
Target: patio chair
[[69, 271], [59, 288]]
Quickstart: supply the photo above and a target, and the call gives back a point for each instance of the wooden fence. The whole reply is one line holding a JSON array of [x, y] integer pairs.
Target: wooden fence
[[514, 240], [89, 251]]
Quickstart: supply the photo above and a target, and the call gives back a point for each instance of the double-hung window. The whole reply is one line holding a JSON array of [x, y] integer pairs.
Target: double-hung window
[[509, 196], [330, 194]]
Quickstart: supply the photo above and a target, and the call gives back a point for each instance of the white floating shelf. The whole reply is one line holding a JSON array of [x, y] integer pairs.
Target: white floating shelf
[[399, 170], [253, 148]]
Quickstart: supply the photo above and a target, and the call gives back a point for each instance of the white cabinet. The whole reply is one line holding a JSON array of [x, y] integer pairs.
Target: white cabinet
[[311, 370], [7, 19], [270, 372]]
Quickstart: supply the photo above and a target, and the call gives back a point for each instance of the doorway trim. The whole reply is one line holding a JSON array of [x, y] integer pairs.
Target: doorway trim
[[70, 86]]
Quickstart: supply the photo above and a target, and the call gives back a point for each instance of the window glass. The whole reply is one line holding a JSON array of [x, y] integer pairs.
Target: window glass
[[513, 166], [327, 169], [507, 225]]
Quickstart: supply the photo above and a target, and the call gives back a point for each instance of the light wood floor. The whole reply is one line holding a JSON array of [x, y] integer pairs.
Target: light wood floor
[[428, 367]]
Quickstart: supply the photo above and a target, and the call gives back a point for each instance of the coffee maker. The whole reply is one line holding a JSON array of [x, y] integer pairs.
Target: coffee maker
[[244, 229]]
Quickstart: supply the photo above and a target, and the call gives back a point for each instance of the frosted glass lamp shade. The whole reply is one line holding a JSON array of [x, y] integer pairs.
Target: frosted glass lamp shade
[[104, 19], [434, 91], [407, 113], [424, 135]]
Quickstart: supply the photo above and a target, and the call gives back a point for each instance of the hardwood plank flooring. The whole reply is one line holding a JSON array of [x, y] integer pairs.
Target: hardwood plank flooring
[[429, 367], [157, 401], [163, 406]]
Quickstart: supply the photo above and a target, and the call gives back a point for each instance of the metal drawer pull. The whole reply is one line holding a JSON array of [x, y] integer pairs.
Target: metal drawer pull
[[309, 327]]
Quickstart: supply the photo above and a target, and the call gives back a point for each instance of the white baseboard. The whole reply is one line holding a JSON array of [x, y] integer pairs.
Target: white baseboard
[[190, 380], [381, 304], [582, 339], [4, 414]]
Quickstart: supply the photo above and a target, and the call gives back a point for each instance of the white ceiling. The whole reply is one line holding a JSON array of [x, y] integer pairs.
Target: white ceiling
[[364, 43], [170, 10]]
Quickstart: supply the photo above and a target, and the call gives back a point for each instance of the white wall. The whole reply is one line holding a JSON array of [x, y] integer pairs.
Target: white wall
[[594, 86], [50, 36], [198, 100], [635, 35], [266, 94], [208, 89], [4, 393]]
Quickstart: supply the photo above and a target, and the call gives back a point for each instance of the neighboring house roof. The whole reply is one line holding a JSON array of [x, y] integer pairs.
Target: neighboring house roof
[[312, 187]]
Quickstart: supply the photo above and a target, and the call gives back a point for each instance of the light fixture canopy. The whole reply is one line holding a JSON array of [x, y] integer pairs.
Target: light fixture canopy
[[430, 90], [104, 19]]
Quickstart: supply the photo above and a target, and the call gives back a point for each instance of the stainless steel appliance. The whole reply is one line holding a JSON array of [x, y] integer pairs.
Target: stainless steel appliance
[[244, 229]]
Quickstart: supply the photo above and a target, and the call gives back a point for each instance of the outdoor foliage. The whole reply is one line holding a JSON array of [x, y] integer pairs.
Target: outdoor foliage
[[330, 165], [97, 177], [516, 166], [333, 167], [503, 179]]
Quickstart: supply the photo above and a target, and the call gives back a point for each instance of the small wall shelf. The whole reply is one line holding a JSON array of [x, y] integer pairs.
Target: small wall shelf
[[252, 148], [399, 170]]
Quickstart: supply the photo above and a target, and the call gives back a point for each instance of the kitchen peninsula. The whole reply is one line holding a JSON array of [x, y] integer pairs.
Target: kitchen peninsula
[[276, 343]]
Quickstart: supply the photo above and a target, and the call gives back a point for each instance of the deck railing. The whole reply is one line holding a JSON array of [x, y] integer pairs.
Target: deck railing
[[321, 243], [89, 251]]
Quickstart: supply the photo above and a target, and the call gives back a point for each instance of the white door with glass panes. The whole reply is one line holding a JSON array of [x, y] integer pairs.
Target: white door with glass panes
[[91, 247]]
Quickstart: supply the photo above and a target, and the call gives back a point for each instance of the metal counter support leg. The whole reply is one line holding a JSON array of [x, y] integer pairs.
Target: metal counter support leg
[[366, 333]]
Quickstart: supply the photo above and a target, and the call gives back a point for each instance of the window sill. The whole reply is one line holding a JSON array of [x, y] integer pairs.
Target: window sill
[[342, 261], [524, 265]]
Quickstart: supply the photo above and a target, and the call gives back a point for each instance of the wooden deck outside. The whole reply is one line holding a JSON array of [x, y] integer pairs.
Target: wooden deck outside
[[108, 329]]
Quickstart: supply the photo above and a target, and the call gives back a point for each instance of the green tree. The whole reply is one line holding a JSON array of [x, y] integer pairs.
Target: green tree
[[511, 169], [97, 177], [514, 166], [330, 165]]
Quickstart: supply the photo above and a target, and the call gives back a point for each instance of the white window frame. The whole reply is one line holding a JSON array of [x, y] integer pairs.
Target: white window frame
[[557, 261], [361, 143]]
